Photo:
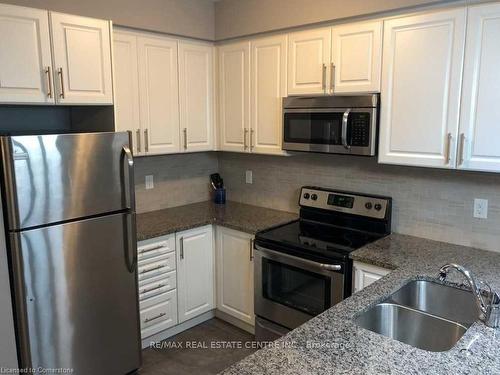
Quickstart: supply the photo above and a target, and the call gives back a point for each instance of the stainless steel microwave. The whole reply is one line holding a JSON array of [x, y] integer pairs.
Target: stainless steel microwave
[[331, 124]]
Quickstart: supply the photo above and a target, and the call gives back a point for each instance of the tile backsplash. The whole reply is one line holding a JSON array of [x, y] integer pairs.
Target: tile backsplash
[[178, 179], [431, 203]]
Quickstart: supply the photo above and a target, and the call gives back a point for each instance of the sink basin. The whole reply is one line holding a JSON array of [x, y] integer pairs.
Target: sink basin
[[438, 299], [423, 314]]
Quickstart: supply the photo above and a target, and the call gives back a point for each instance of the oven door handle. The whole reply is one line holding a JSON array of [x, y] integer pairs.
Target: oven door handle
[[345, 119], [310, 263]]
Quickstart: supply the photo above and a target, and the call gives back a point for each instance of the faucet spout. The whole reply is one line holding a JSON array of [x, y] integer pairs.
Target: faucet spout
[[489, 307]]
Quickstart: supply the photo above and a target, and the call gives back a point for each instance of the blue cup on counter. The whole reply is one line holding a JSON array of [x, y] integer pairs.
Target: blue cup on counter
[[220, 196]]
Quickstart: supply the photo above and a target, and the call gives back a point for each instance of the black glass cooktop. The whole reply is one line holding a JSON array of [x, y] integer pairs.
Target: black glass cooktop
[[328, 240]]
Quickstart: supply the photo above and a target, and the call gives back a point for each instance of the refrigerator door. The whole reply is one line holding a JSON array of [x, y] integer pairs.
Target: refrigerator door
[[75, 286], [55, 178]]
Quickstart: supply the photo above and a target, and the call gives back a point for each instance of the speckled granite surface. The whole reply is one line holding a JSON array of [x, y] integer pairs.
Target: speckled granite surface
[[233, 215], [332, 343]]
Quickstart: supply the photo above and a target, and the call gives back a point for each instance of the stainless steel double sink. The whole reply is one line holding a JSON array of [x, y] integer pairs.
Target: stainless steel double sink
[[423, 314]]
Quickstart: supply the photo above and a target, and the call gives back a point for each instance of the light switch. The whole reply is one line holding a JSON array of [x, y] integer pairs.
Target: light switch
[[150, 184], [249, 177], [481, 208]]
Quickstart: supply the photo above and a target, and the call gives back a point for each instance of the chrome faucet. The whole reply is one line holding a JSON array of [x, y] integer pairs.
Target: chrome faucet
[[487, 300]]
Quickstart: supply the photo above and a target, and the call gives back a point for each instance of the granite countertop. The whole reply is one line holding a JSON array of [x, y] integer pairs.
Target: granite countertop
[[239, 216], [333, 343]]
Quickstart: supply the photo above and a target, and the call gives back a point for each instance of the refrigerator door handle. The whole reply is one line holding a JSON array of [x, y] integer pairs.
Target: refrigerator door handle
[[130, 243], [129, 175]]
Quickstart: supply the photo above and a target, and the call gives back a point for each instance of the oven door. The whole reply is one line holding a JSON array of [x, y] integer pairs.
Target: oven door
[[330, 130], [290, 290]]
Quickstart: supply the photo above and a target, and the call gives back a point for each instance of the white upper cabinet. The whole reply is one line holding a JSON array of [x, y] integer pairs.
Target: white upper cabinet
[[195, 272], [308, 60], [127, 88], [82, 59], [196, 96], [159, 94], [25, 56], [356, 57], [421, 82], [479, 147], [234, 96], [268, 87]]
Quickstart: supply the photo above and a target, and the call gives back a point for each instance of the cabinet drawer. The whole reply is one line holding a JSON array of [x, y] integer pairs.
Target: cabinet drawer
[[155, 300], [158, 285], [160, 266], [150, 250], [160, 316]]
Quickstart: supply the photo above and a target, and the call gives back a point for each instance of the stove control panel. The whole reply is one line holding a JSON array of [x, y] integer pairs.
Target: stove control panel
[[351, 203]]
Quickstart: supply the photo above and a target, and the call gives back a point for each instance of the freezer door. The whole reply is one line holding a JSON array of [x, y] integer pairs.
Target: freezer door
[[55, 178], [76, 291]]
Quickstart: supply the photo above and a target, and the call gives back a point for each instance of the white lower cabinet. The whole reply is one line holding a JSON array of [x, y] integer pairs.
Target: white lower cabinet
[[157, 284], [234, 251], [366, 274], [195, 275]]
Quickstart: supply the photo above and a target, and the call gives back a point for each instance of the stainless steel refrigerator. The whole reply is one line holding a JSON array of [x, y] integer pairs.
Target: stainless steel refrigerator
[[70, 221]]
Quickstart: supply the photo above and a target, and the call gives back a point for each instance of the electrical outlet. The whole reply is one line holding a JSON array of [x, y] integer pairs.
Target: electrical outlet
[[481, 208], [150, 184], [249, 177]]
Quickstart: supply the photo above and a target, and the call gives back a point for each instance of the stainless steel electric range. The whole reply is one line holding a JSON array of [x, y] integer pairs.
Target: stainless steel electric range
[[303, 268]]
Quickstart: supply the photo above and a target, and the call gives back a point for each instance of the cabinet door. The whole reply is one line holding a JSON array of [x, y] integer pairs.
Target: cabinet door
[[308, 61], [366, 274], [235, 274], [234, 96], [126, 77], [82, 59], [196, 96], [195, 272], [268, 87], [357, 57], [421, 81], [480, 122], [158, 85], [25, 57]]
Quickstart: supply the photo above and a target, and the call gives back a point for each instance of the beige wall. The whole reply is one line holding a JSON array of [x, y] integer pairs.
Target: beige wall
[[235, 18], [193, 18], [430, 203], [179, 179]]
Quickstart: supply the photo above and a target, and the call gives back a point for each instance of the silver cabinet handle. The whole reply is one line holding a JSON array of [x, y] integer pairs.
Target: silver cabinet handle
[[146, 270], [323, 77], [461, 149], [154, 317], [181, 245], [345, 119], [251, 249], [146, 290], [48, 76], [61, 81], [251, 139], [146, 140], [185, 138], [245, 132], [138, 136], [332, 78], [448, 148], [145, 251]]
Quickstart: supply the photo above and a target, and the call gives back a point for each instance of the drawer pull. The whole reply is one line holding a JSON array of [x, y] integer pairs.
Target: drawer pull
[[145, 251], [146, 290], [154, 317], [146, 270]]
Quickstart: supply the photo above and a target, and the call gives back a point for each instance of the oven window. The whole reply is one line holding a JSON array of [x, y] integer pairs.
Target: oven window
[[313, 128], [296, 288]]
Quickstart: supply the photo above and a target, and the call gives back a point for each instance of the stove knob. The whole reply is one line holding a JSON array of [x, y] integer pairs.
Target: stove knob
[[368, 205], [306, 195], [314, 197], [378, 206]]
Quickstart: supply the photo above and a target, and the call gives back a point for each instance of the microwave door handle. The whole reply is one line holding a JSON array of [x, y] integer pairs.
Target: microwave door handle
[[345, 119]]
